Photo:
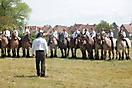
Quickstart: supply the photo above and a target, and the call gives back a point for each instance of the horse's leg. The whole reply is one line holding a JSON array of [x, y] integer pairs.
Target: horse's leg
[[110, 54], [8, 51], [102, 54], [55, 53], [2, 52], [24, 53], [122, 55], [127, 54], [13, 52], [51, 51], [27, 53], [18, 52], [72, 52], [62, 55], [75, 53], [68, 51]]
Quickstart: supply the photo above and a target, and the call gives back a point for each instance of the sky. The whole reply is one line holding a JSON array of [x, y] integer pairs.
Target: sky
[[69, 12]]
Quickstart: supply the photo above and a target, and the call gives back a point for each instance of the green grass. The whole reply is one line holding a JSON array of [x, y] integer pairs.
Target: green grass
[[66, 73]]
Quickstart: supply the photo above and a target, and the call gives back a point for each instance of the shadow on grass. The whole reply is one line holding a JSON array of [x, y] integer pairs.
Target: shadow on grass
[[25, 76]]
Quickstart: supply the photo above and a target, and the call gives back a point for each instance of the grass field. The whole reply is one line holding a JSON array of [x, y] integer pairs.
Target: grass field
[[66, 73]]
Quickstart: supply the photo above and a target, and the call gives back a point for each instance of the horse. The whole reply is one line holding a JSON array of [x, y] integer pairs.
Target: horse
[[14, 44], [122, 46], [53, 44], [98, 46], [4, 44], [64, 45], [90, 46], [74, 45], [26, 43], [107, 45]]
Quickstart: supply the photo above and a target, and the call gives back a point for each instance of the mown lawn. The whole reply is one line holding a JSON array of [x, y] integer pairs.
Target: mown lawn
[[66, 73]]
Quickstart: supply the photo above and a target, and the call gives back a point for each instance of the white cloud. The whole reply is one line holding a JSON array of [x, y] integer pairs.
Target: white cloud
[[79, 11]]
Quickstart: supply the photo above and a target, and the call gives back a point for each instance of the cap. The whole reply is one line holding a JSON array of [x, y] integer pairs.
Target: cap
[[110, 30], [6, 28], [86, 29], [92, 28], [102, 29], [64, 29], [76, 28]]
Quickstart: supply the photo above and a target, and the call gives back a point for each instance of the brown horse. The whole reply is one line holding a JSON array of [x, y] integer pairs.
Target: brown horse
[[25, 43], [4, 44], [122, 46], [98, 46], [14, 44], [107, 45], [74, 45], [53, 44]]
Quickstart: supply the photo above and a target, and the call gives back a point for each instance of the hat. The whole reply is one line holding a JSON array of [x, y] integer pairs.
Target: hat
[[6, 28], [76, 28], [110, 30], [40, 34], [122, 28], [86, 29], [102, 29], [64, 29], [92, 28]]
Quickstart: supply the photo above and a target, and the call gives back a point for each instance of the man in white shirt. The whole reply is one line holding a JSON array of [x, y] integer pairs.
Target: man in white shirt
[[65, 35], [86, 32], [92, 33], [110, 35], [39, 30], [124, 34], [76, 33], [25, 31], [16, 31], [102, 31], [6, 32], [40, 46], [54, 33]]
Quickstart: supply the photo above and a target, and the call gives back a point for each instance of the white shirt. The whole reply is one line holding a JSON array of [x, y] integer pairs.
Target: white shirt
[[15, 31], [110, 34], [124, 33], [55, 34], [86, 33], [102, 32], [25, 31], [92, 34], [38, 31], [7, 33], [39, 44], [75, 34], [65, 34]]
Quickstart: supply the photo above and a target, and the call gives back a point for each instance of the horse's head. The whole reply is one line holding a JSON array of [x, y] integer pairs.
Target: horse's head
[[98, 38], [27, 38], [120, 34], [61, 38], [13, 35], [52, 39]]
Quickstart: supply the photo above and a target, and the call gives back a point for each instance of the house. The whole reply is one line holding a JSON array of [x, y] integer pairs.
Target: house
[[47, 28], [81, 27]]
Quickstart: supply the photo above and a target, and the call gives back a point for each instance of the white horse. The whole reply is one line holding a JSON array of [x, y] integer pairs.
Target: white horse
[[122, 46]]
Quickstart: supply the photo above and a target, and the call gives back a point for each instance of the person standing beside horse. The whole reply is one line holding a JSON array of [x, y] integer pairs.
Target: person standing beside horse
[[40, 45]]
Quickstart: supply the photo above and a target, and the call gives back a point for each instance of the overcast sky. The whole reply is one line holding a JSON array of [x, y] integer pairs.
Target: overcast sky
[[69, 12]]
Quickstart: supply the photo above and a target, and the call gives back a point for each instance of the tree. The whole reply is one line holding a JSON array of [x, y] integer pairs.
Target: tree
[[14, 12], [105, 25]]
